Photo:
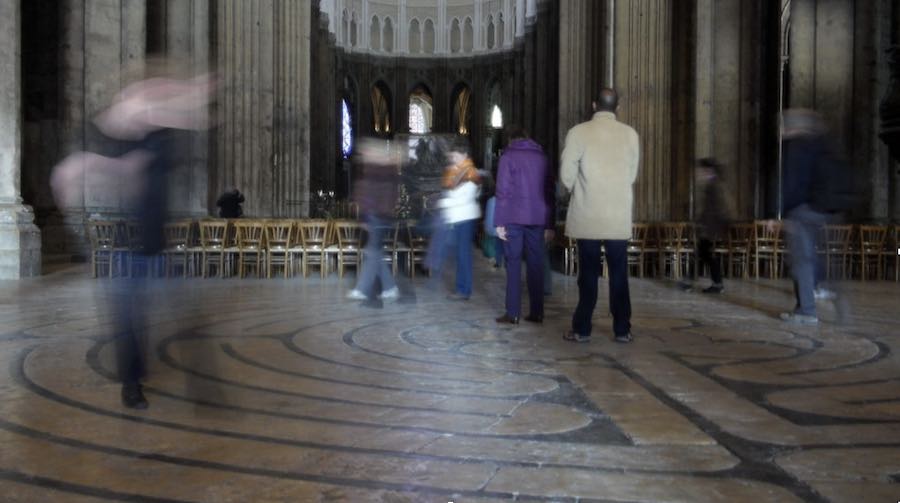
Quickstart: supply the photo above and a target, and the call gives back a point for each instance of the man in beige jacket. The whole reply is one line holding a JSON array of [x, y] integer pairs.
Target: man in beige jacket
[[599, 166]]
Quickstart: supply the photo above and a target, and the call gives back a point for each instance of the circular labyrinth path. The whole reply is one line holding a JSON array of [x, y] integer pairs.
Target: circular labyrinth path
[[281, 390]]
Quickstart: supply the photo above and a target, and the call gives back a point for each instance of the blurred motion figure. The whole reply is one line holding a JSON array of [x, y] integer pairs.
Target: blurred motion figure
[[137, 136]]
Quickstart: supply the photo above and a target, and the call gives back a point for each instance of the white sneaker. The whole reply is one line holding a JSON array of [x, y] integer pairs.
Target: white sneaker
[[824, 294], [356, 295], [390, 294]]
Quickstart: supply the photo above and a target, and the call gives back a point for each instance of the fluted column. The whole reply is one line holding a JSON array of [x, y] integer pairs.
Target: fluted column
[[20, 239], [580, 61], [643, 79], [262, 142]]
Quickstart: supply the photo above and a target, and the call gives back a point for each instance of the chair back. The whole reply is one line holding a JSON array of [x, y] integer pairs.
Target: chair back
[[177, 235], [838, 238], [213, 234], [313, 233], [279, 234], [674, 235], [348, 234], [767, 235], [872, 238], [639, 235], [102, 235], [249, 234]]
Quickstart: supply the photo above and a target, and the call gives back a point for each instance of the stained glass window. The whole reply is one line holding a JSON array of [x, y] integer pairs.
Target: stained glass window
[[346, 130], [416, 119]]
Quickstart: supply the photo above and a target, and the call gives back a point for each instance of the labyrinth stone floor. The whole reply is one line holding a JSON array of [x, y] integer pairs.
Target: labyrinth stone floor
[[282, 391]]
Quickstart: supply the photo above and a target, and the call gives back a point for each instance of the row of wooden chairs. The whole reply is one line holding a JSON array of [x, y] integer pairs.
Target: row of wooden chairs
[[755, 249], [220, 246]]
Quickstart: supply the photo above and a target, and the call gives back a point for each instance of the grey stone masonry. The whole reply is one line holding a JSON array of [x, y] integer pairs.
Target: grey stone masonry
[[20, 239]]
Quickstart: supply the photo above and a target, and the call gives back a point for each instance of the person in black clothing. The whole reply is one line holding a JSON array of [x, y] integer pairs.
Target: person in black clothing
[[229, 204], [136, 138], [713, 217]]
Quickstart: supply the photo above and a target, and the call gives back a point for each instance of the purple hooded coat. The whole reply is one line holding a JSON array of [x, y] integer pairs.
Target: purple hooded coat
[[525, 186]]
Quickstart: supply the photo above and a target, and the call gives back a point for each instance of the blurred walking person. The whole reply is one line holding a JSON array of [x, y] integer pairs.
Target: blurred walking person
[[713, 218], [137, 135], [376, 193], [460, 210]]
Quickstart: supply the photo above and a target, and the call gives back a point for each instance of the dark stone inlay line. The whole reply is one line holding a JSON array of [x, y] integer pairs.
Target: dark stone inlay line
[[83, 490], [174, 364], [229, 350], [756, 458], [18, 371], [883, 352]]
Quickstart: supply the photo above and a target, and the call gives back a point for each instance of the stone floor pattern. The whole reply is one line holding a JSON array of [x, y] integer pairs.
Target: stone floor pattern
[[281, 390]]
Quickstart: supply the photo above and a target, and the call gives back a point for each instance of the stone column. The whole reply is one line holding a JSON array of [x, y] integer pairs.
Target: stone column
[[574, 65], [20, 239]]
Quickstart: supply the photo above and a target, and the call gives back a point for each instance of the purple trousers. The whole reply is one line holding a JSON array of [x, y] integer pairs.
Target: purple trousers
[[530, 240]]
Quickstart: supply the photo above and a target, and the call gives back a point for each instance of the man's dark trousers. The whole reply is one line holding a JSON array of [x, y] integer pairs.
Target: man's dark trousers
[[589, 265], [529, 238]]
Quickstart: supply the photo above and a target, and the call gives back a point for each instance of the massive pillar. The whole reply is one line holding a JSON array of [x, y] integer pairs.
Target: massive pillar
[[580, 62], [20, 243], [643, 78], [262, 140], [103, 47]]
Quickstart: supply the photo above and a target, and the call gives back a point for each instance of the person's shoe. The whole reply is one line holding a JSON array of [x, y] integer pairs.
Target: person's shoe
[[576, 337], [533, 318], [824, 294], [133, 397], [623, 338], [390, 294], [356, 295], [457, 296], [684, 286], [799, 319], [714, 289], [512, 320]]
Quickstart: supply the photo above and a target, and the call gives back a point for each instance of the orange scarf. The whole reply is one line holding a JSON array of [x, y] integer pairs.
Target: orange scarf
[[460, 173]]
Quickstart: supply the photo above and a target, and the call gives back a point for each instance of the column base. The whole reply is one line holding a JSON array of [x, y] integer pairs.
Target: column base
[[20, 242]]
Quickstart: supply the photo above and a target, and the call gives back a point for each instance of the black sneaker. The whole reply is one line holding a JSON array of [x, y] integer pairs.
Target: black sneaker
[[133, 397], [714, 289], [623, 338]]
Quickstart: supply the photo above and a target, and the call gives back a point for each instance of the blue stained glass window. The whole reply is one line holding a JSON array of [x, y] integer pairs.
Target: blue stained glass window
[[346, 130]]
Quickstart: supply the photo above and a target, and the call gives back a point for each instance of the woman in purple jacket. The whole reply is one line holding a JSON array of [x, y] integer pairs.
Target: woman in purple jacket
[[522, 214]]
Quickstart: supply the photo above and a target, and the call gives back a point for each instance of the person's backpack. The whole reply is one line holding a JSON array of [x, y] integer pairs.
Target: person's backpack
[[835, 187]]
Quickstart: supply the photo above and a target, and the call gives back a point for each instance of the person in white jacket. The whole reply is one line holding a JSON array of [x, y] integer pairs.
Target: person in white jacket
[[599, 166], [460, 211]]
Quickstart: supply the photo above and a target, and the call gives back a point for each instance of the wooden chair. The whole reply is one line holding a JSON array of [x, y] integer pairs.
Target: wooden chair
[[104, 249], [637, 247], [872, 241], [418, 246], [313, 239], [768, 247], [250, 235], [402, 248], [213, 243], [349, 238], [740, 244], [837, 249], [177, 252], [279, 238], [676, 248], [891, 253]]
